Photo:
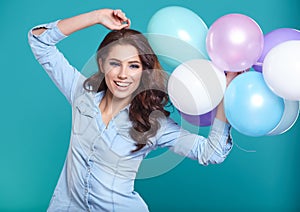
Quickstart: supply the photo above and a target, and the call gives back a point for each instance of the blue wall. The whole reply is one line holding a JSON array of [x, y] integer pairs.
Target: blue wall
[[36, 118]]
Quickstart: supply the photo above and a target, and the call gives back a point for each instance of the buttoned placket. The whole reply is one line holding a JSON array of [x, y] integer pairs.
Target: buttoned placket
[[87, 183], [90, 166]]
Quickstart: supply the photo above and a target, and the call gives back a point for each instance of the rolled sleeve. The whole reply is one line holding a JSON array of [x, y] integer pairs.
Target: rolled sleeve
[[211, 150], [40, 43], [220, 140]]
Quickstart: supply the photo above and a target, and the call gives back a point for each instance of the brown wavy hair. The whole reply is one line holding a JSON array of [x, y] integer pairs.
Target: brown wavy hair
[[149, 100]]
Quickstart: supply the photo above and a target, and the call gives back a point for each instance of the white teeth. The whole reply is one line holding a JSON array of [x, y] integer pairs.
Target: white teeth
[[122, 84]]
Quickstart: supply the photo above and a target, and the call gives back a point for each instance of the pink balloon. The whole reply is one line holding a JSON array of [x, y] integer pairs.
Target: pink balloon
[[234, 42]]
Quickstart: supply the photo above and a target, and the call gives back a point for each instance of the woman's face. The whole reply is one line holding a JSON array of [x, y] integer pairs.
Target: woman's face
[[123, 71]]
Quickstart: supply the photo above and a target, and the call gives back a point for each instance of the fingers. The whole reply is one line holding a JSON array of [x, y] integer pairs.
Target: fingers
[[232, 73], [128, 23], [121, 16], [119, 13], [230, 76]]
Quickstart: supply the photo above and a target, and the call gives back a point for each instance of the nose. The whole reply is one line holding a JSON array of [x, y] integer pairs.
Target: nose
[[122, 73]]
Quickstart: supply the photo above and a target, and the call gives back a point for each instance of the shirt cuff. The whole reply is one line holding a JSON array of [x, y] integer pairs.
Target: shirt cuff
[[223, 129], [52, 35]]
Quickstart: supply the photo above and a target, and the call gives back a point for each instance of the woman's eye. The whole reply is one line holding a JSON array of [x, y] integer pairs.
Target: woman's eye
[[134, 66], [114, 64]]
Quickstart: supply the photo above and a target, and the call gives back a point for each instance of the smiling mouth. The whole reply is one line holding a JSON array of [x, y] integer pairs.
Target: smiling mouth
[[122, 84]]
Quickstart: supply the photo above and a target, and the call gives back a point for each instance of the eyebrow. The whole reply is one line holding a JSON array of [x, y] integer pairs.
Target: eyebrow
[[132, 61]]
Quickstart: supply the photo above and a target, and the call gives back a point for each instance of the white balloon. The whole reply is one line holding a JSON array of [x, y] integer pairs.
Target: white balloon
[[289, 117], [281, 70], [196, 87]]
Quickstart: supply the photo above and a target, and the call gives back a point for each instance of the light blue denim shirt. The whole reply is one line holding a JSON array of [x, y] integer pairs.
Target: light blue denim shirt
[[100, 169]]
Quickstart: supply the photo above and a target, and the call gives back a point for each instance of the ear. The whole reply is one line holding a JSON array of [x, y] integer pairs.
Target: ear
[[100, 65]]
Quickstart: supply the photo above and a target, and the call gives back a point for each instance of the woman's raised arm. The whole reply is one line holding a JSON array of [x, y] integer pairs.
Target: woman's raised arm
[[111, 19]]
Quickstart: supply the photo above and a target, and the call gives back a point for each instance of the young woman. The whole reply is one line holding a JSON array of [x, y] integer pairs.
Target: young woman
[[118, 115]]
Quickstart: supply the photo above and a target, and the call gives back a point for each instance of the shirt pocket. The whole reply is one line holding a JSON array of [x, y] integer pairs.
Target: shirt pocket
[[84, 115]]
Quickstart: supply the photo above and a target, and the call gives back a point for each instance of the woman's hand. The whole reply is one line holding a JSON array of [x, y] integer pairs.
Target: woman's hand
[[231, 75], [113, 19]]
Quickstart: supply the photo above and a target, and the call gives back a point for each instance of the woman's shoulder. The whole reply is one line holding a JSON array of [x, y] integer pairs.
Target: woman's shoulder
[[81, 92]]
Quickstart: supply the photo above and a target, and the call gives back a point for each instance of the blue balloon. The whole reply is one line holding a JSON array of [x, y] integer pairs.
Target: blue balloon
[[177, 34], [250, 106]]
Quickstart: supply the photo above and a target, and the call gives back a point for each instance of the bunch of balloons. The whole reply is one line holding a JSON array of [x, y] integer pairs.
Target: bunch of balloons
[[262, 101]]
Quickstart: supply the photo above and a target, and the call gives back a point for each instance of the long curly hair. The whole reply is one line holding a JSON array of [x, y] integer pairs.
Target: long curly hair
[[149, 100]]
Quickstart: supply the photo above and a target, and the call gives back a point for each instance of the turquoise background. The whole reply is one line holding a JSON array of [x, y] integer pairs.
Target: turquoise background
[[36, 118]]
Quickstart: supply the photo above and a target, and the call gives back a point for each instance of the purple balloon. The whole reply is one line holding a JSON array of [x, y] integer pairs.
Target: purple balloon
[[200, 120], [274, 38], [234, 42]]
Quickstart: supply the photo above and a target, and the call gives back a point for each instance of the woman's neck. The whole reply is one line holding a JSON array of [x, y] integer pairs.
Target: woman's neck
[[110, 106]]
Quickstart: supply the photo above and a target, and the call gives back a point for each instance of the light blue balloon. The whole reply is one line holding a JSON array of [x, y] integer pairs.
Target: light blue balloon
[[177, 34], [250, 106]]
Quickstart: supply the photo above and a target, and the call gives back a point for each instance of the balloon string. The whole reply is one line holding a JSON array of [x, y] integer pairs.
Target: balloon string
[[244, 150]]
